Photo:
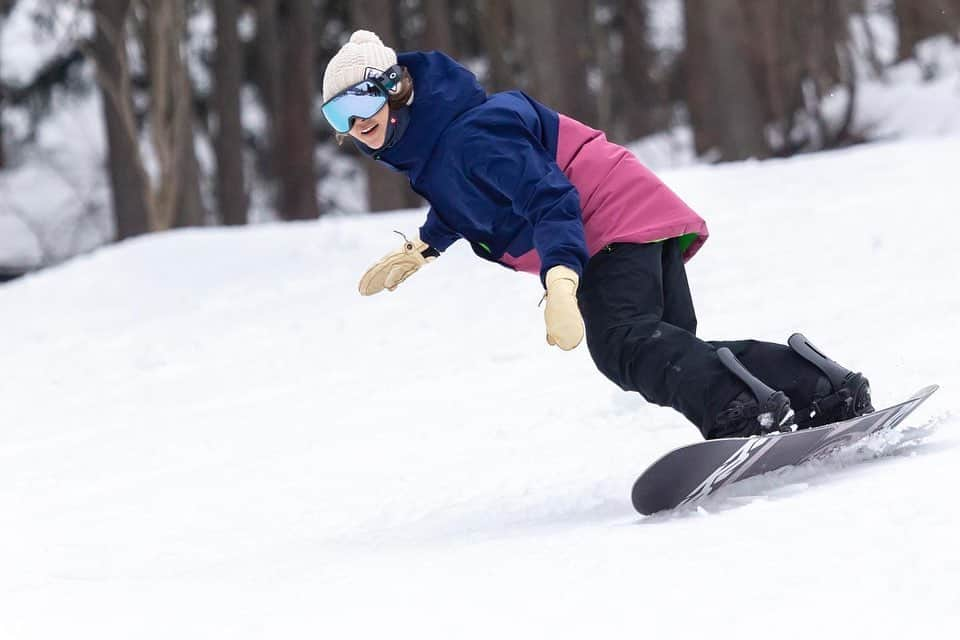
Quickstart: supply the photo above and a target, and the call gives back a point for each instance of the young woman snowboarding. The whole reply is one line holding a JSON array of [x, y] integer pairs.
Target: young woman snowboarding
[[540, 192]]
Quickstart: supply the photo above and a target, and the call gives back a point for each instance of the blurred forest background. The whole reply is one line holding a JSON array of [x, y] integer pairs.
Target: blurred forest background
[[207, 111]]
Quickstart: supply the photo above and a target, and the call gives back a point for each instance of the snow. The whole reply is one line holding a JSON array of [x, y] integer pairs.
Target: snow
[[35, 32], [18, 245], [59, 196], [916, 98], [670, 149], [666, 26], [209, 433]]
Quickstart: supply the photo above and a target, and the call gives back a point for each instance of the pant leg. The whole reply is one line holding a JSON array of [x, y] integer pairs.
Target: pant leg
[[775, 364], [677, 301], [623, 303]]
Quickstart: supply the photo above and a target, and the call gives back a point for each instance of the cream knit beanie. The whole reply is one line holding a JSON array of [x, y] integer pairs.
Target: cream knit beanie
[[355, 60]]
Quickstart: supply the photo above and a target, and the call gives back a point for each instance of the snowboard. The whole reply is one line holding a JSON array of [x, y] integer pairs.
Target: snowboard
[[688, 474]]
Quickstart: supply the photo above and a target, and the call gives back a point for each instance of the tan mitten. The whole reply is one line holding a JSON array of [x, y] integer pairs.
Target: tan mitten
[[562, 315], [395, 267]]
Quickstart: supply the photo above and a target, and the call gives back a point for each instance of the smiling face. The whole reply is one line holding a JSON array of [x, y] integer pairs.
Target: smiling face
[[372, 131]]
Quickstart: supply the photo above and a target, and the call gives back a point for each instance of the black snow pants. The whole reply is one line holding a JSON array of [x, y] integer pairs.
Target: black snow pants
[[641, 333]]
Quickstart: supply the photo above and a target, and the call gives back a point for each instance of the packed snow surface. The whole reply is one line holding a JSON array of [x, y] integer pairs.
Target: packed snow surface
[[210, 434]]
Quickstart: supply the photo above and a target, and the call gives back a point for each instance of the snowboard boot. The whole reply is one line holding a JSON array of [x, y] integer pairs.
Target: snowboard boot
[[758, 411], [840, 394]]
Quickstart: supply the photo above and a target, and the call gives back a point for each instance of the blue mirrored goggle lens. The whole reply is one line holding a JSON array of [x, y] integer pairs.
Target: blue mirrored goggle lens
[[360, 101]]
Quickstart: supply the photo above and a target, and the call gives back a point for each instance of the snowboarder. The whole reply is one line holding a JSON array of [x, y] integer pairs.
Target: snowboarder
[[540, 192]]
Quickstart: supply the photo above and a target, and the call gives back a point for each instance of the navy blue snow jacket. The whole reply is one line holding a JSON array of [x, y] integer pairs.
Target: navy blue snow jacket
[[487, 167]]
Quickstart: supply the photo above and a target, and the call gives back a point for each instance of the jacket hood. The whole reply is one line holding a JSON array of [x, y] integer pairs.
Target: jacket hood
[[443, 90]]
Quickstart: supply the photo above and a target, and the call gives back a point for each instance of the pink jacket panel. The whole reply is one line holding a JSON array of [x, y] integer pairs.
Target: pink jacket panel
[[621, 200]]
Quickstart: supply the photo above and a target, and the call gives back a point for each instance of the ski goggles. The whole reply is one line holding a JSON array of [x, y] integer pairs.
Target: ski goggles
[[361, 100]]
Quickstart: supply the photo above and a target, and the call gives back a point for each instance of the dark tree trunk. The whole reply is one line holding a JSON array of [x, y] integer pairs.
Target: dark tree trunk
[[556, 51], [268, 77], [231, 185], [295, 136], [3, 11], [5, 6], [725, 105], [497, 34], [3, 160], [641, 100], [920, 19], [438, 30], [127, 179], [798, 51], [191, 211], [386, 189]]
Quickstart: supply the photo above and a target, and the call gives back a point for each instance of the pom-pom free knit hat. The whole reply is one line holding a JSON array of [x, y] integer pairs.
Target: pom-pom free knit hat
[[363, 55]]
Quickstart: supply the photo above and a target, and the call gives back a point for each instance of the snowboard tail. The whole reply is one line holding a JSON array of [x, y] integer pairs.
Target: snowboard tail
[[689, 474]]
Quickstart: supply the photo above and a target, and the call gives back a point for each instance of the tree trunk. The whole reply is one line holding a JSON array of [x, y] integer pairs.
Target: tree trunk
[[191, 211], [269, 73], [386, 189], [497, 34], [295, 136], [2, 156], [228, 71], [724, 102], [176, 199], [5, 7], [438, 30], [641, 95], [128, 180], [556, 51], [3, 11]]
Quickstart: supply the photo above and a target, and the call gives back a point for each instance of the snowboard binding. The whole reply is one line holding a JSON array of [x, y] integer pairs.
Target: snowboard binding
[[849, 393], [759, 411]]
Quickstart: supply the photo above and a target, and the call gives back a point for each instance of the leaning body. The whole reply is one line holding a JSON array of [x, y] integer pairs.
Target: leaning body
[[542, 193], [500, 145]]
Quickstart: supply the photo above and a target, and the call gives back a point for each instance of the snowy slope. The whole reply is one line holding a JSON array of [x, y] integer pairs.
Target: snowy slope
[[209, 434]]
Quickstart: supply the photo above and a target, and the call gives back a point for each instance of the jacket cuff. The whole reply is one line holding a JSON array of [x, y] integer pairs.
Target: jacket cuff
[[574, 265], [437, 234]]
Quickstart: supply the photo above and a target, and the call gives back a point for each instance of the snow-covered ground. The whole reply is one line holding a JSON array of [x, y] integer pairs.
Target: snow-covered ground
[[210, 434]]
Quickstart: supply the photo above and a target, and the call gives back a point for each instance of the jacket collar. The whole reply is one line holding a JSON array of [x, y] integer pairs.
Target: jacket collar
[[444, 90]]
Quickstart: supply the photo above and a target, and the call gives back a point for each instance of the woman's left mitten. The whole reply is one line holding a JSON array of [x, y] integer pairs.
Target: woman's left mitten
[[395, 267], [562, 315]]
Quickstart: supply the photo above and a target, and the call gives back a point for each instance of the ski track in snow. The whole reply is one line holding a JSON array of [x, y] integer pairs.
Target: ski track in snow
[[209, 434]]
